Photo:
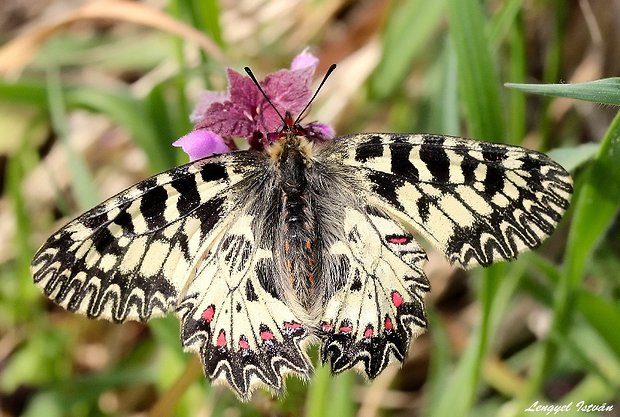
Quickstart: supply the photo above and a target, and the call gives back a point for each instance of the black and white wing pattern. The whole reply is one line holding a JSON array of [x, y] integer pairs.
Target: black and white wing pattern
[[477, 202], [130, 257], [234, 318], [181, 241]]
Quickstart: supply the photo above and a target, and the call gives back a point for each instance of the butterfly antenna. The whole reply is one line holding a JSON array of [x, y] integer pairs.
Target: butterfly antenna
[[251, 74], [331, 69]]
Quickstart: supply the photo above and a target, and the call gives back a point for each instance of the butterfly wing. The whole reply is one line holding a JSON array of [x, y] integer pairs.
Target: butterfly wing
[[477, 202], [368, 323]]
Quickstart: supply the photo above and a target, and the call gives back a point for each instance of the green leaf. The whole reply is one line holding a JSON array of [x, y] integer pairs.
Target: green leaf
[[595, 207], [573, 157], [604, 91], [597, 203], [83, 182]]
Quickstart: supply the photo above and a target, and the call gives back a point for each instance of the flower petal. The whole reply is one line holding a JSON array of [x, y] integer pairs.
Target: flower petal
[[304, 60], [289, 90], [320, 132], [237, 116], [206, 99], [201, 143]]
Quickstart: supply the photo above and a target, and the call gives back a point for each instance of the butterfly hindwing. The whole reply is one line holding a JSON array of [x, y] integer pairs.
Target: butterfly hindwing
[[234, 319], [368, 324], [477, 202]]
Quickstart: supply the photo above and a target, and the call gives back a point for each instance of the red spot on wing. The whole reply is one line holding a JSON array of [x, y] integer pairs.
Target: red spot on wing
[[398, 239], [266, 335], [291, 325], [243, 343], [387, 324], [368, 332], [397, 299], [221, 339], [327, 327], [207, 315]]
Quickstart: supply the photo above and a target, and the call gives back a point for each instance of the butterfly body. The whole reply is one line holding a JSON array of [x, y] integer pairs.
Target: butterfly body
[[259, 253]]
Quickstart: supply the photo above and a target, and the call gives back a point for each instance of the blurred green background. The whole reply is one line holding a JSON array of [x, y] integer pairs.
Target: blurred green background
[[93, 94]]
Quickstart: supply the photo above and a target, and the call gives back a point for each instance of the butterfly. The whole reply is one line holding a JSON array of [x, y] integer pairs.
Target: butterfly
[[261, 253]]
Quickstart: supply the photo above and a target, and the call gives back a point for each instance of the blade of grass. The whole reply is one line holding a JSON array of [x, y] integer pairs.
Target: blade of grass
[[158, 109], [318, 392], [24, 91], [132, 115], [573, 157], [16, 54], [503, 22], [128, 112], [205, 16], [478, 72], [604, 91], [444, 114], [597, 203], [497, 285], [516, 127], [479, 87], [18, 166], [439, 369], [407, 34], [83, 182], [603, 316]]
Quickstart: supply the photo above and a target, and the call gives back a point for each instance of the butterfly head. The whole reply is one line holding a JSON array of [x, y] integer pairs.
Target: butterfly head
[[291, 127]]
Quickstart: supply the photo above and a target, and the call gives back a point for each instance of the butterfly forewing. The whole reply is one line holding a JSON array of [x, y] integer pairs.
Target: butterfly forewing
[[477, 202], [129, 258]]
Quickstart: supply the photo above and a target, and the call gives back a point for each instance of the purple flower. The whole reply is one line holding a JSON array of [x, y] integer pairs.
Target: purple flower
[[242, 111], [202, 142]]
